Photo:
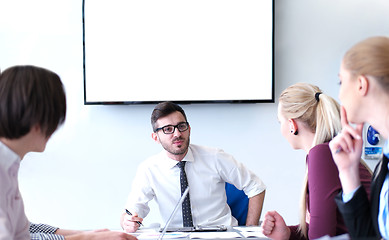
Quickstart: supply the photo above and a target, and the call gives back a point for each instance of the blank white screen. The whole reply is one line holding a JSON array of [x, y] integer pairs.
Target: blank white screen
[[178, 50]]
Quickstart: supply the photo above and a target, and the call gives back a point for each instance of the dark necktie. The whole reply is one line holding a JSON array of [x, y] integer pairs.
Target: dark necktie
[[186, 211]]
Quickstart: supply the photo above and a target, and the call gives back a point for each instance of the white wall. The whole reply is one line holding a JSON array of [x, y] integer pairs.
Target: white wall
[[82, 179]]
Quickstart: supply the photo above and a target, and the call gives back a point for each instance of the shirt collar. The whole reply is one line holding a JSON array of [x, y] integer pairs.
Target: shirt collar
[[189, 156], [170, 163], [386, 148], [8, 156]]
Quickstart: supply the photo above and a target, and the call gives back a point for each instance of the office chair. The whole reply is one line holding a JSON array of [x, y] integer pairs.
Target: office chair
[[238, 202]]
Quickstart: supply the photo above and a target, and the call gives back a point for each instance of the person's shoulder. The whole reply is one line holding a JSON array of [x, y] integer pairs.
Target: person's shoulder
[[320, 156], [152, 160], [320, 148], [320, 152], [201, 149]]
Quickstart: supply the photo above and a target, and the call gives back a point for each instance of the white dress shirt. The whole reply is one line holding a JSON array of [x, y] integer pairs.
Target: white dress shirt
[[13, 221], [207, 170]]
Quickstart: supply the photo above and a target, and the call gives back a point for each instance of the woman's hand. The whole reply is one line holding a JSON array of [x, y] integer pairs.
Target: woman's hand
[[346, 150], [274, 226]]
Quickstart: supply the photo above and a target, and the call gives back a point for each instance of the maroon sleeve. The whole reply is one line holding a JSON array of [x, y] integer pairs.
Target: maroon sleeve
[[295, 233], [323, 185]]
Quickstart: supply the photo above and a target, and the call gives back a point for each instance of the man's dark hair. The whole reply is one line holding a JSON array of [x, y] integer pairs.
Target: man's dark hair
[[30, 96], [162, 110]]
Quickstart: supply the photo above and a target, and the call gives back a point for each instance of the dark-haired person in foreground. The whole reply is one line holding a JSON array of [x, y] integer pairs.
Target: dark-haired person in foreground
[[207, 170], [32, 106]]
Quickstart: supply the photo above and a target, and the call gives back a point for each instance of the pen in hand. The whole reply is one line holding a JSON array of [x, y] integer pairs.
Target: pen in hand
[[129, 213]]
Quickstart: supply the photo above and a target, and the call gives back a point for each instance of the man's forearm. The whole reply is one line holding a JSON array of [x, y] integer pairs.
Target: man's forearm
[[255, 209]]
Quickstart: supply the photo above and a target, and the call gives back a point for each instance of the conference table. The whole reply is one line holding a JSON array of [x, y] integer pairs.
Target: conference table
[[241, 232]]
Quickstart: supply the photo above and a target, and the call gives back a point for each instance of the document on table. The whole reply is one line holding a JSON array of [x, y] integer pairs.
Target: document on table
[[155, 235], [214, 235], [251, 232], [249, 229]]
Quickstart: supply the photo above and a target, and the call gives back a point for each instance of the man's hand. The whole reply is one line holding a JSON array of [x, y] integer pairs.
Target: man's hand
[[129, 223]]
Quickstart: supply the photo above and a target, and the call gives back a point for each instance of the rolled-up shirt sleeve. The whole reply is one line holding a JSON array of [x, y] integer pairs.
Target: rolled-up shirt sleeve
[[239, 175]]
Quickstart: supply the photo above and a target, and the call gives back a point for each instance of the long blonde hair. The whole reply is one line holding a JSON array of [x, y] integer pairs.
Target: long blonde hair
[[370, 57], [321, 114]]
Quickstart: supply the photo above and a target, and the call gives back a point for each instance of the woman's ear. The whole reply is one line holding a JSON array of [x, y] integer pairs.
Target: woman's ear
[[293, 126], [363, 86]]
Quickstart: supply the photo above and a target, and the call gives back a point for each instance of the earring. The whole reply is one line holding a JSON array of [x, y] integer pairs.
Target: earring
[[296, 132]]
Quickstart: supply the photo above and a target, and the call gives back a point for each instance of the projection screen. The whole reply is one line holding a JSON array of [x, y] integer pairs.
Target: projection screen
[[203, 51]]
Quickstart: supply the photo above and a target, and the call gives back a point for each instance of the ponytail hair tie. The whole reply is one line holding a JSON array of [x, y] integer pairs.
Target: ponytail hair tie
[[317, 96]]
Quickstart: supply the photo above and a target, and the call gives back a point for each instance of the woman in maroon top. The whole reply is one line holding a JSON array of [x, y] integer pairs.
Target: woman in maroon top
[[309, 120]]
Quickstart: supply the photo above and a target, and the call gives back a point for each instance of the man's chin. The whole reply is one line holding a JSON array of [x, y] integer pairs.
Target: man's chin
[[178, 152]]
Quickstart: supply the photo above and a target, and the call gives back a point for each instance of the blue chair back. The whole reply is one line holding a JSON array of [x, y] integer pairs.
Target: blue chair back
[[238, 202]]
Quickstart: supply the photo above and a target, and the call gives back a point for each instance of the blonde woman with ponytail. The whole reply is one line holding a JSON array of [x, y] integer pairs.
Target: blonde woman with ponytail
[[309, 119]]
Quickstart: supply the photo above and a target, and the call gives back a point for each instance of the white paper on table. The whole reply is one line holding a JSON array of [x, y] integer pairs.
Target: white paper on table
[[169, 235], [214, 235], [249, 229]]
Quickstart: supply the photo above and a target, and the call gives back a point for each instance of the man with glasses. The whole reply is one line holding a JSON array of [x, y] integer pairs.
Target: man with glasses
[[206, 170]]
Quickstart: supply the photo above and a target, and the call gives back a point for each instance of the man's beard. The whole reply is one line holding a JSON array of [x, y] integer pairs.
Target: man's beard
[[182, 149]]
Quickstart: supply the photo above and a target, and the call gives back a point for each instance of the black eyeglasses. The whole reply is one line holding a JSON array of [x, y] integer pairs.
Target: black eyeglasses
[[169, 129]]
